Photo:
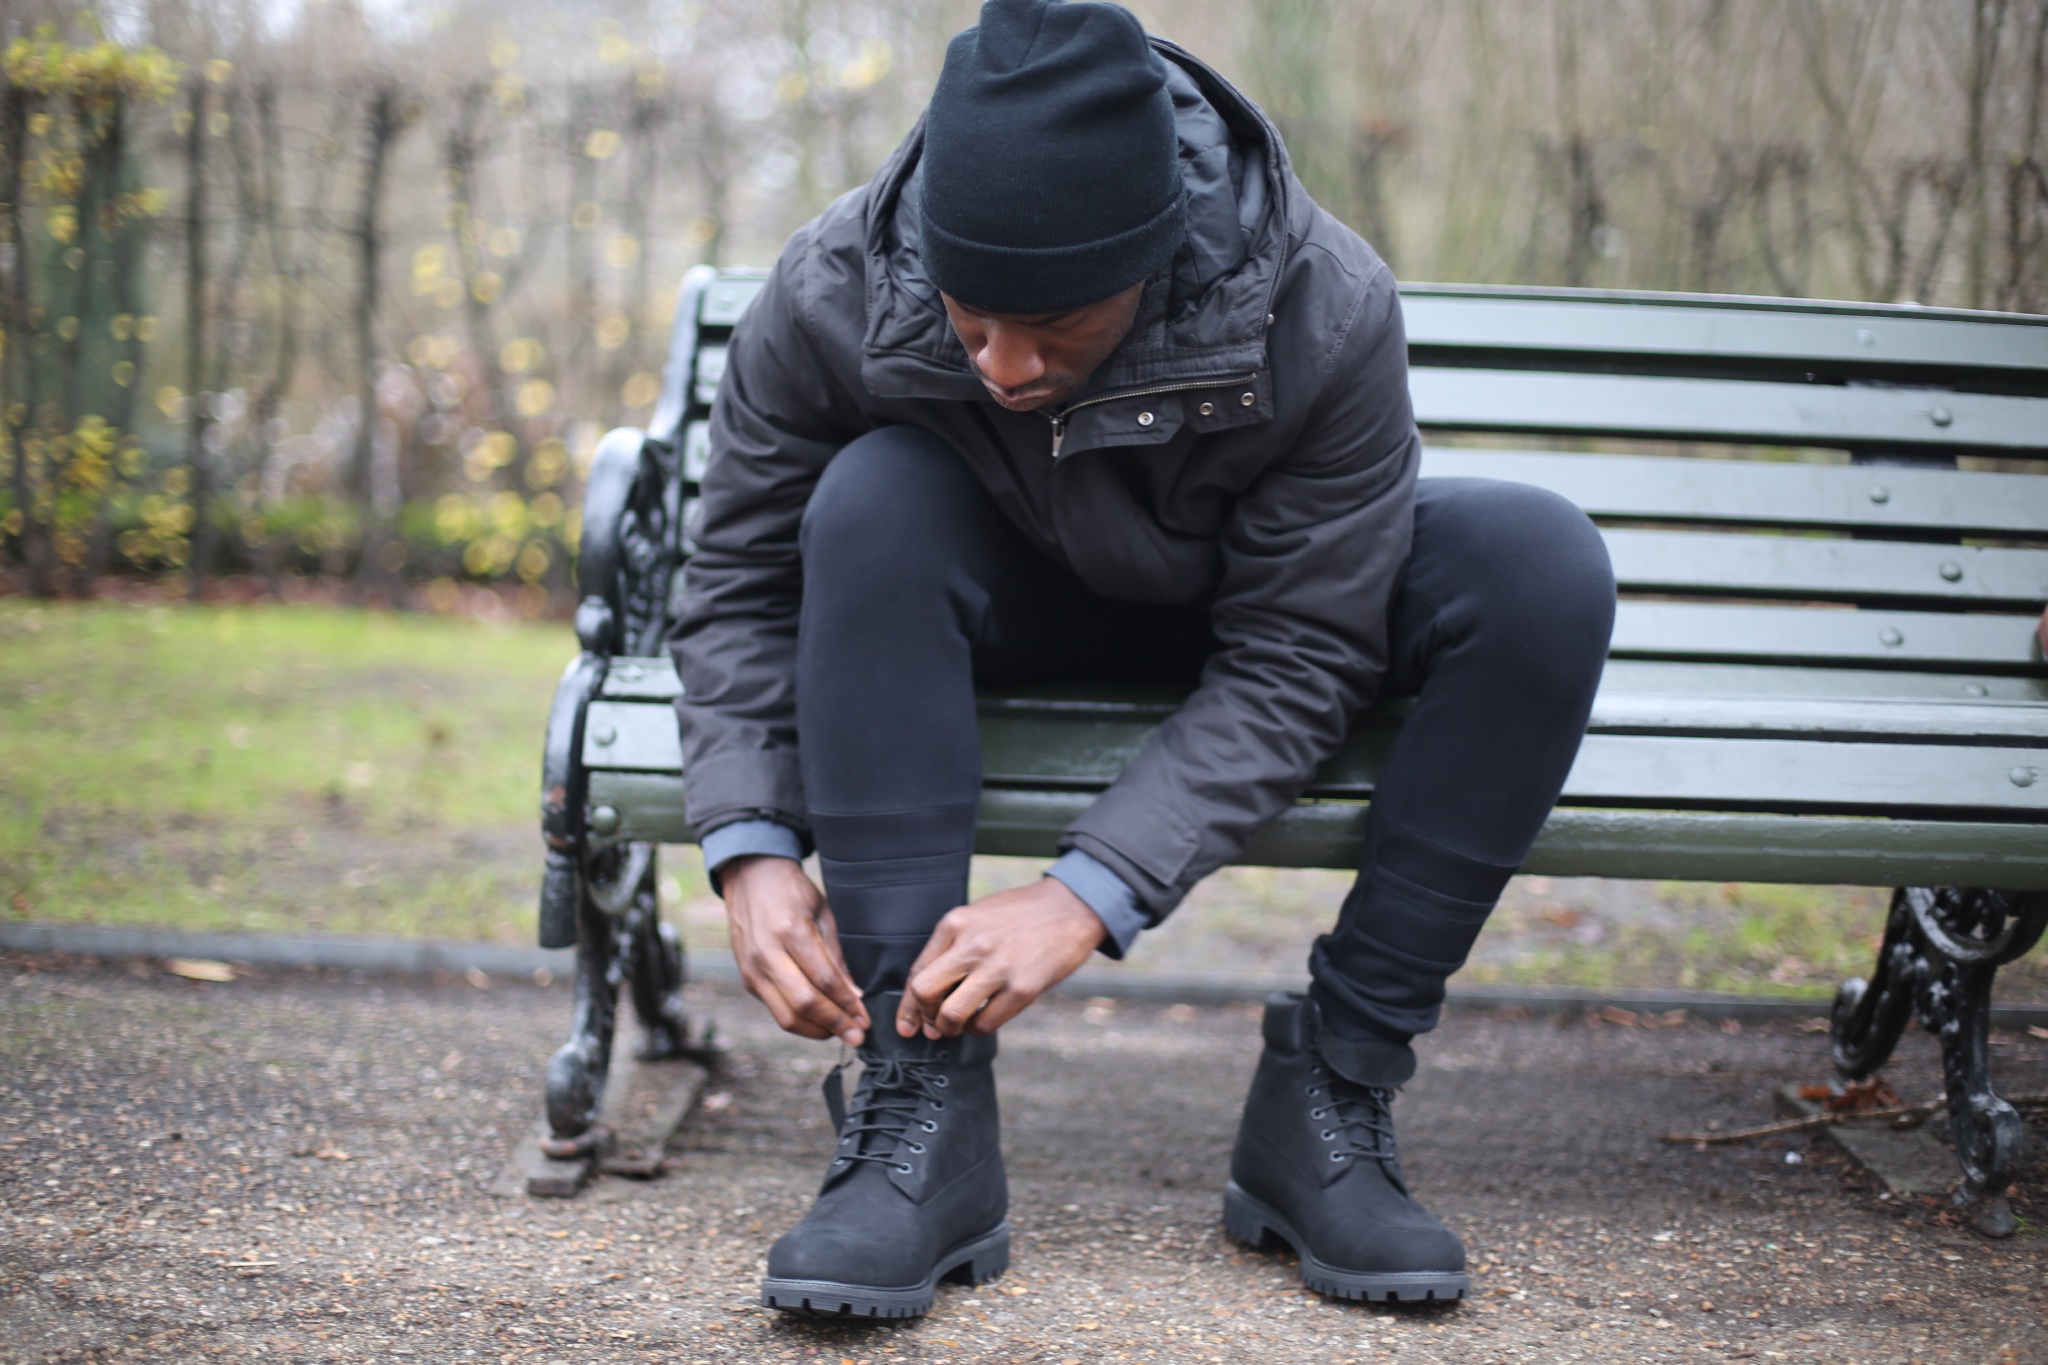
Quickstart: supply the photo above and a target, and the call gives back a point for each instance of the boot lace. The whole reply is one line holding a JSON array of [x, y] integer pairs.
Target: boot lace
[[1358, 1119], [885, 1109]]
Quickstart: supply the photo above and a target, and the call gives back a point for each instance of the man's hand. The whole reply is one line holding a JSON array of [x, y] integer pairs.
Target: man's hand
[[788, 949], [988, 961]]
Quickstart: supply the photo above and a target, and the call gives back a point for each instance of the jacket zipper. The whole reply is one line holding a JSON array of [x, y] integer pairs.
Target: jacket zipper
[[1059, 419]]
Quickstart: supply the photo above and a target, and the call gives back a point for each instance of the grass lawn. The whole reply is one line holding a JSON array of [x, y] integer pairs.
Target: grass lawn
[[314, 769], [283, 768]]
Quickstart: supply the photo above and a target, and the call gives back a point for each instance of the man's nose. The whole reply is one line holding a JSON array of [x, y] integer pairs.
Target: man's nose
[[1009, 358]]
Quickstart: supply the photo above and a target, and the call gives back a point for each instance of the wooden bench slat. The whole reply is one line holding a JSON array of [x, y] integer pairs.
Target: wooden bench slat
[[1846, 685], [642, 737], [1652, 845], [1063, 743], [1809, 567], [1668, 771], [1794, 331], [642, 679], [1790, 775], [1801, 336], [654, 679], [1725, 410], [696, 450], [1907, 639], [1762, 493], [711, 359], [729, 297], [2018, 724], [1645, 844]]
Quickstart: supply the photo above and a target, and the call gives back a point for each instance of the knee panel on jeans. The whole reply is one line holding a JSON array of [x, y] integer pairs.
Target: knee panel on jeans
[[891, 498], [1521, 574]]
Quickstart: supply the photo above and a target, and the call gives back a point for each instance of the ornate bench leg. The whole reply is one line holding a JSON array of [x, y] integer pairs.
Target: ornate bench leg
[[653, 957], [576, 1073], [1942, 949]]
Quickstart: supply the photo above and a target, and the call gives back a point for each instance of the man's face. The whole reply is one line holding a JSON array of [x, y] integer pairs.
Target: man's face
[[1037, 360]]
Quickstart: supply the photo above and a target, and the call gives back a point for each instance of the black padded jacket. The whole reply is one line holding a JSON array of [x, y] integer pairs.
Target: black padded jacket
[[1273, 484]]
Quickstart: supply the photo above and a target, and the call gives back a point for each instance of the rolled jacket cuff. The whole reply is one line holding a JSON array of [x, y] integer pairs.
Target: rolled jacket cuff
[[1107, 894], [745, 839]]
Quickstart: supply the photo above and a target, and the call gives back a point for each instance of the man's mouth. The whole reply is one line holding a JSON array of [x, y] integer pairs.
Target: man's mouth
[[1023, 400]]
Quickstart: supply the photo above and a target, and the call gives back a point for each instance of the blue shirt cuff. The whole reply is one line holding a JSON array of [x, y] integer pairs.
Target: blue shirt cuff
[[748, 838], [1107, 894]]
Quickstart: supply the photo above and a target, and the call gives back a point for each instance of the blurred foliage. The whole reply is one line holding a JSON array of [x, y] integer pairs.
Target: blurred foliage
[[73, 216], [322, 294]]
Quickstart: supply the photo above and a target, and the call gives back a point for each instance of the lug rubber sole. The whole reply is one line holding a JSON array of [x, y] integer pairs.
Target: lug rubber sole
[[1256, 1224], [975, 1261]]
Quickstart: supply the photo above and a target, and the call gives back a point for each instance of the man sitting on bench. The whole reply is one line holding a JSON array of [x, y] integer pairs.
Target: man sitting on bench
[[1083, 388]]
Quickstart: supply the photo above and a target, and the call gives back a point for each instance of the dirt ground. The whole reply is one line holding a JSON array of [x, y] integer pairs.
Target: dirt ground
[[294, 1167]]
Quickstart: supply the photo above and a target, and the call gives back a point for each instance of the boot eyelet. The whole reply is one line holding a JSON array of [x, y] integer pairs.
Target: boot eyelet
[[904, 1167], [918, 1148], [941, 1082], [1312, 1090], [928, 1125], [1317, 1113], [838, 1161], [938, 1106], [1336, 1156], [1329, 1135]]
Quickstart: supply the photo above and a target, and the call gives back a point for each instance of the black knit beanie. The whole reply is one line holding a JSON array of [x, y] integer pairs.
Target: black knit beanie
[[1051, 172]]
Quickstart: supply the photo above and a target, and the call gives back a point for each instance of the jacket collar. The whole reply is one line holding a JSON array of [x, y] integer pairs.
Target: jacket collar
[[1203, 317]]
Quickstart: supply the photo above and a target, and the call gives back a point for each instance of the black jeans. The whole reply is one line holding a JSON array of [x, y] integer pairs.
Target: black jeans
[[915, 588]]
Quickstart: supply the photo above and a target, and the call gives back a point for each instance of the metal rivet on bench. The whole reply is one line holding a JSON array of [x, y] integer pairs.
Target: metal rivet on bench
[[605, 820], [1865, 337], [604, 734], [1941, 417], [1951, 570], [1880, 495], [1206, 409], [1891, 636], [1248, 399], [2024, 777], [1975, 690], [1144, 419]]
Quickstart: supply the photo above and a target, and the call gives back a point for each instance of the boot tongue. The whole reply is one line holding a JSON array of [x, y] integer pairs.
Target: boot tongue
[[884, 1044]]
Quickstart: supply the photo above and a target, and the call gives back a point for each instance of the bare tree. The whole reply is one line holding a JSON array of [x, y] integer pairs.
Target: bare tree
[[385, 119]]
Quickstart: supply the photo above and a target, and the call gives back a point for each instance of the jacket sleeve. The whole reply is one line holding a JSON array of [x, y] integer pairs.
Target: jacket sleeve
[[780, 416], [1310, 558]]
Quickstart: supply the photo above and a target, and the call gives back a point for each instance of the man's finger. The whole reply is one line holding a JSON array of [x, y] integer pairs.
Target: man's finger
[[965, 1002], [831, 979], [928, 980], [828, 934], [805, 999], [1005, 1005], [788, 1020]]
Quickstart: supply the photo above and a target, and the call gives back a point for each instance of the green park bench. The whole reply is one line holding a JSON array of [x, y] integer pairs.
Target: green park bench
[[1829, 523]]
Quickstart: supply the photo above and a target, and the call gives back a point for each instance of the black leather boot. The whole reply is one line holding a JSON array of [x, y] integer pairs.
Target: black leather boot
[[1315, 1166], [915, 1192]]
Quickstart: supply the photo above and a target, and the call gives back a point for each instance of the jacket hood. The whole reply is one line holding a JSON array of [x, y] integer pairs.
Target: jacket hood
[[1203, 316]]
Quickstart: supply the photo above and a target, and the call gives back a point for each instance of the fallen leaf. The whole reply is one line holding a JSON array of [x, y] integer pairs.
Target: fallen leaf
[[1615, 1014], [200, 969], [1875, 1093], [2036, 1031]]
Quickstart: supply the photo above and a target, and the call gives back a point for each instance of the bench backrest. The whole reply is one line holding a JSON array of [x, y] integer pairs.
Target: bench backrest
[[1829, 524]]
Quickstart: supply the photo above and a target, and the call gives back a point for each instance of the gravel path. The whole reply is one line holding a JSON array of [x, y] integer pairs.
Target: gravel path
[[293, 1167]]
